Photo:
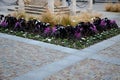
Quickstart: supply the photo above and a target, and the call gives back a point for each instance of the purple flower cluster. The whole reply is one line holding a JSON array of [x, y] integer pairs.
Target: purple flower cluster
[[104, 24], [82, 29], [7, 21], [3, 23]]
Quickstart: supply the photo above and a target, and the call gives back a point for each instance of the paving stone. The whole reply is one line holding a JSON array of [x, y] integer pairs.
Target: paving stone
[[112, 51], [88, 69], [17, 58]]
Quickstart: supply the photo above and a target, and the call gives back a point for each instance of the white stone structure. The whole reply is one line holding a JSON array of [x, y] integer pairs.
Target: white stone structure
[[64, 3], [73, 7], [51, 5], [21, 6], [90, 5], [52, 2]]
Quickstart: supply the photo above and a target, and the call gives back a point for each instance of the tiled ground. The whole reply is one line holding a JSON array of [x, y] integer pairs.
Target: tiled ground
[[113, 51], [88, 69], [17, 58]]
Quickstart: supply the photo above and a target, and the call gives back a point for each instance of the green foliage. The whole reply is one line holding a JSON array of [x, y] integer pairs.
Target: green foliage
[[72, 43]]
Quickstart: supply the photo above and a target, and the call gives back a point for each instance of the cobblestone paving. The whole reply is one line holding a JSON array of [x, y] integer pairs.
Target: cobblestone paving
[[113, 51], [17, 58], [88, 69]]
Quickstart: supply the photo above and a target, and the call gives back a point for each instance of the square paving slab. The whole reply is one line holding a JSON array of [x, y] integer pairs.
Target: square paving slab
[[17, 58], [113, 51], [88, 69]]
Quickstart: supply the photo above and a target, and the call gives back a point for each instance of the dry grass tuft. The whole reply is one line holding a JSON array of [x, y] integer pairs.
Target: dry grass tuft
[[112, 7], [86, 16], [64, 20], [31, 17], [24, 15], [48, 17], [68, 19], [19, 15], [27, 1]]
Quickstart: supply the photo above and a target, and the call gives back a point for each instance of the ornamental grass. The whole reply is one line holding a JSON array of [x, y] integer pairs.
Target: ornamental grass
[[48, 17], [112, 7]]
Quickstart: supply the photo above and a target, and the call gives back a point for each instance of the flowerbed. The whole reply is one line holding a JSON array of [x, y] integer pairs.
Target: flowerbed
[[80, 36]]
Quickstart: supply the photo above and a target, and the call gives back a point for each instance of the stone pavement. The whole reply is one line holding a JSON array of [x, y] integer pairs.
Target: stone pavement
[[100, 67], [25, 59], [17, 58]]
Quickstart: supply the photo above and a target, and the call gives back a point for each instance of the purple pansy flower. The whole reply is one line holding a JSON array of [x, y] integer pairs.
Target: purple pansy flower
[[78, 35], [103, 23], [17, 25], [54, 29], [47, 30], [112, 21], [4, 23], [81, 29], [93, 28]]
